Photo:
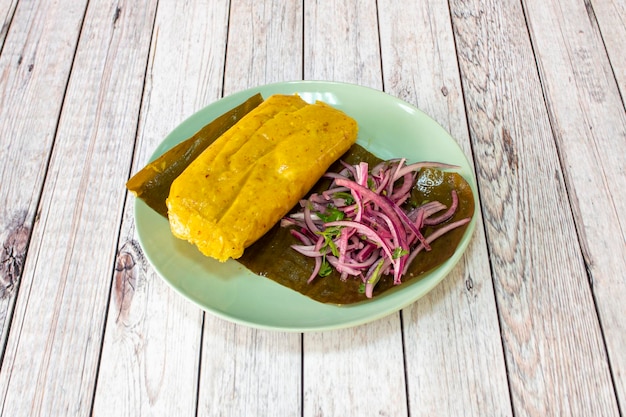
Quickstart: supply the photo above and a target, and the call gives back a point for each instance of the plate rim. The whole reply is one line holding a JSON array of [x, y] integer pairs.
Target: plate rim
[[318, 85]]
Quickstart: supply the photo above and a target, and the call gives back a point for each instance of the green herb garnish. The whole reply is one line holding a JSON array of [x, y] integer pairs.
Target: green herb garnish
[[332, 214], [347, 197], [325, 269], [399, 252]]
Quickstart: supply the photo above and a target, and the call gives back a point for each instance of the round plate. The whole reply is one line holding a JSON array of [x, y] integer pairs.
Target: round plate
[[388, 127]]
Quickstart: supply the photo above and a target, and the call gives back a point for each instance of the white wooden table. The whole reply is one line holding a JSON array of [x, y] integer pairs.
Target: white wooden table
[[530, 323]]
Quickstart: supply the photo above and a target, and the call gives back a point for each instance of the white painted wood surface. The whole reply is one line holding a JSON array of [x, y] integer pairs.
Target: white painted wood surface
[[35, 65], [341, 42], [551, 333], [53, 350], [610, 16], [530, 323], [589, 125], [7, 10]]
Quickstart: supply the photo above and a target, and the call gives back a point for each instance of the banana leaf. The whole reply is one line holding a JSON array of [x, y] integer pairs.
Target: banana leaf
[[152, 183]]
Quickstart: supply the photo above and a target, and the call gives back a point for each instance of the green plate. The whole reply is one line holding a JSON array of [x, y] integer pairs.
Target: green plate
[[388, 127]]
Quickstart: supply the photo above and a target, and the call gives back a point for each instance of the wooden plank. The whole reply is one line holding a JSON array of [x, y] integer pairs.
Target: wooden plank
[[244, 371], [248, 372], [7, 10], [53, 349], [151, 349], [589, 124], [341, 43], [34, 69], [357, 371], [551, 334], [610, 16], [454, 359], [264, 44]]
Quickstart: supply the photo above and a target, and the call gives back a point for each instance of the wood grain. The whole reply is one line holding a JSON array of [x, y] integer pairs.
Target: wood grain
[[355, 371], [340, 42], [7, 10], [53, 349], [454, 359], [530, 323], [264, 44], [34, 68], [248, 372], [244, 371], [610, 15], [151, 349], [589, 125], [552, 338]]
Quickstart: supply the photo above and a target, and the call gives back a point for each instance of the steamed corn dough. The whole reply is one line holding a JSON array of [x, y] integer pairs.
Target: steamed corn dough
[[242, 184]]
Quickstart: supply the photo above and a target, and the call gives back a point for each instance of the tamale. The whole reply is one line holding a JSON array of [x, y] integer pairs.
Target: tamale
[[250, 177], [152, 183]]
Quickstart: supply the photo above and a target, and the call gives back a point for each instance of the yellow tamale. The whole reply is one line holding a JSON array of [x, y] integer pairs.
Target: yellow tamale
[[251, 176], [152, 184]]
